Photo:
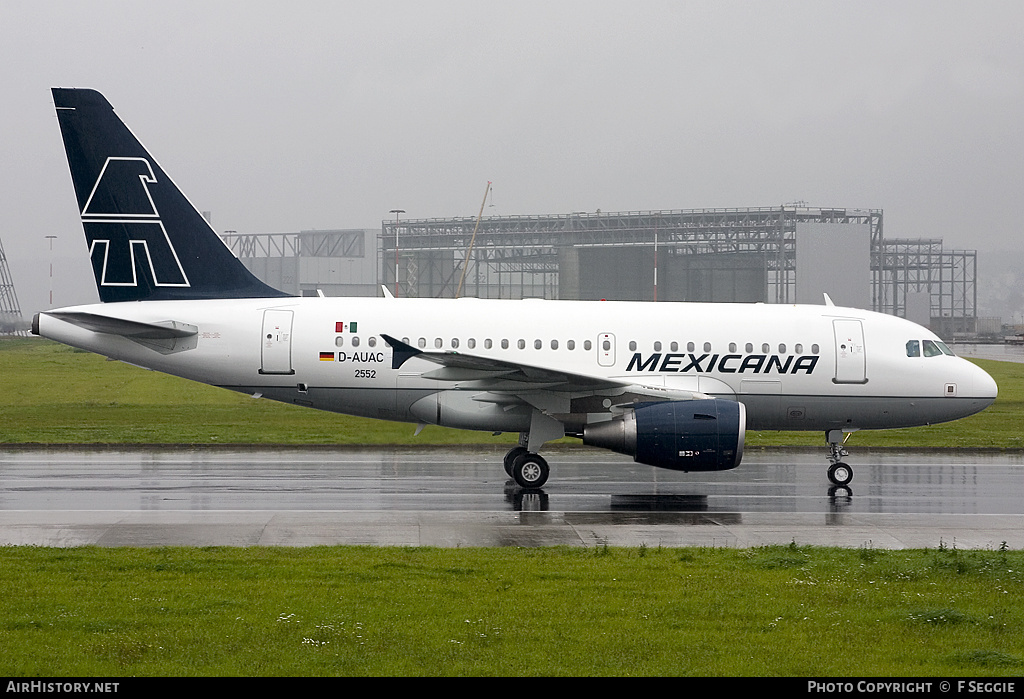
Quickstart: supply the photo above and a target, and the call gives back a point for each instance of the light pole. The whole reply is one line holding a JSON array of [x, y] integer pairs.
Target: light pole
[[396, 212], [656, 258], [51, 238]]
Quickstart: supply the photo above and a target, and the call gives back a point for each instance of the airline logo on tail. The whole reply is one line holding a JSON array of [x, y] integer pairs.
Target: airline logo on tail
[[123, 228]]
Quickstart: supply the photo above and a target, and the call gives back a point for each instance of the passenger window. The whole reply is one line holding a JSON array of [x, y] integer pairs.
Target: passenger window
[[422, 342], [690, 347], [765, 348], [674, 347], [570, 344], [931, 349], [587, 345], [488, 344], [750, 347], [521, 344], [707, 346], [339, 341], [782, 348], [438, 342], [372, 342], [632, 346], [799, 349], [657, 346], [606, 345], [455, 343], [504, 344], [537, 344], [732, 346], [355, 341], [913, 348], [814, 349]]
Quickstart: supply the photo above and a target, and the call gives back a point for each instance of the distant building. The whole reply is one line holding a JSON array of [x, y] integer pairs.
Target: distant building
[[11, 322], [340, 262], [786, 254]]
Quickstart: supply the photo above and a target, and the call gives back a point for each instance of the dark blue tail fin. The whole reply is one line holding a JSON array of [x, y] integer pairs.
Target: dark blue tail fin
[[147, 242]]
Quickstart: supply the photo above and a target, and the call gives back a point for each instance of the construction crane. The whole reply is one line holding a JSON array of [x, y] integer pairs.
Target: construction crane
[[10, 312], [472, 240]]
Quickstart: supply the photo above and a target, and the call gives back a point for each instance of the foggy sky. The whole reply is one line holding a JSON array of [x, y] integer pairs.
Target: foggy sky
[[286, 116]]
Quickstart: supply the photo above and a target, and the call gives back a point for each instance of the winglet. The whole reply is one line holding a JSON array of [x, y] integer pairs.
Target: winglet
[[402, 352], [828, 300], [387, 294]]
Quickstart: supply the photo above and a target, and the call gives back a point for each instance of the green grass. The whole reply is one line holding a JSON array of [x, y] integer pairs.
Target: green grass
[[785, 611], [54, 394], [775, 611]]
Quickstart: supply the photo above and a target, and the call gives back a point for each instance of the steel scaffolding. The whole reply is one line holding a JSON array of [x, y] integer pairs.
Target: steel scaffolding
[[516, 256], [546, 256], [948, 276], [10, 311]]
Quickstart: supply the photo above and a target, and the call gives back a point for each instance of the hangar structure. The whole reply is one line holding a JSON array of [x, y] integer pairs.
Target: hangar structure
[[337, 262], [10, 312], [784, 254]]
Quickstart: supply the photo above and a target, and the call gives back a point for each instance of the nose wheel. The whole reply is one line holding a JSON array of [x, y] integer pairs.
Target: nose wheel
[[839, 472]]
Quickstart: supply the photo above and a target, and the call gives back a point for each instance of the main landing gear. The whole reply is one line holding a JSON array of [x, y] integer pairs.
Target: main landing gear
[[529, 470], [839, 472]]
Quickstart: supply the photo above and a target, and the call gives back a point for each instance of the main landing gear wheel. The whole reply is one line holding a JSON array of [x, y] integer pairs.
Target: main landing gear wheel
[[511, 456], [530, 470], [840, 474]]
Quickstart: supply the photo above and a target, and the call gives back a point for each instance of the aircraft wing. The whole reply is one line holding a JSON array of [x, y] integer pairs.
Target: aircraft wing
[[498, 374], [553, 391]]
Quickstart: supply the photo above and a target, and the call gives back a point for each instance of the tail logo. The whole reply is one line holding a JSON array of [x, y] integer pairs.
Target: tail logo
[[124, 230]]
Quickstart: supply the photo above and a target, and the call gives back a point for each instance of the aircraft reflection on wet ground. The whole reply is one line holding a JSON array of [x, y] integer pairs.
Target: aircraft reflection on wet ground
[[470, 480], [445, 497]]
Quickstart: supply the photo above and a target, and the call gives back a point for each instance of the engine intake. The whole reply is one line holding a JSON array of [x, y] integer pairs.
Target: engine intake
[[694, 435]]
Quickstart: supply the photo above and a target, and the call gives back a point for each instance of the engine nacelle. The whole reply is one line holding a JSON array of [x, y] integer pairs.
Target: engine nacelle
[[693, 435]]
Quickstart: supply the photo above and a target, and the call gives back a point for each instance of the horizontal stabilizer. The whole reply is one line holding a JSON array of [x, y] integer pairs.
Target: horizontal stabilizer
[[132, 329], [164, 336]]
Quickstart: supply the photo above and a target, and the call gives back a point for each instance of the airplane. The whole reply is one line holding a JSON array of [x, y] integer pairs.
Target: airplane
[[673, 385]]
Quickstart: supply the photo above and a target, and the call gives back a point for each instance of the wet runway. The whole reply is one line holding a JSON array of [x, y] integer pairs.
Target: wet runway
[[462, 497], [999, 353]]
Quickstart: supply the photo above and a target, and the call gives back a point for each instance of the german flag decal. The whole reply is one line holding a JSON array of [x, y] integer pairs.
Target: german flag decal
[[327, 356]]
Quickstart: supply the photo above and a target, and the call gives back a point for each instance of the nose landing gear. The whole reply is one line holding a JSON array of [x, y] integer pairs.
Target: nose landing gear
[[839, 473]]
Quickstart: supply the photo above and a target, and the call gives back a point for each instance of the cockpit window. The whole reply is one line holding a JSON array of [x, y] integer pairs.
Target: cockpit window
[[913, 348], [931, 349], [945, 350]]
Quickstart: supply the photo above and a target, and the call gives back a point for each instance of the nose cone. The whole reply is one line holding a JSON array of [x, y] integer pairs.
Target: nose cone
[[977, 387], [985, 387]]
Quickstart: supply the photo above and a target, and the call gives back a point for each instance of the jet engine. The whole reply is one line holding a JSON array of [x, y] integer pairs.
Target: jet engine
[[693, 435]]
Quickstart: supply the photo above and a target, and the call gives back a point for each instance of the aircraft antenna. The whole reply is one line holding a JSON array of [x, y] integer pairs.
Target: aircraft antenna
[[469, 250]]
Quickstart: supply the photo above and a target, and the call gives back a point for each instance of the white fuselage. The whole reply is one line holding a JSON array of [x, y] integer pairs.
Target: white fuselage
[[793, 367]]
